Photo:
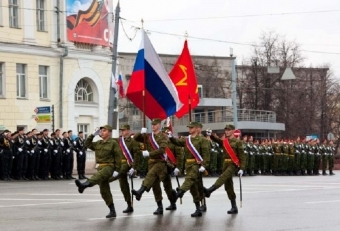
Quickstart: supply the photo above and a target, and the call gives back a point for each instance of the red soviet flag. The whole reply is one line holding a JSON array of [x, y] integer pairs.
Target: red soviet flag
[[184, 77]]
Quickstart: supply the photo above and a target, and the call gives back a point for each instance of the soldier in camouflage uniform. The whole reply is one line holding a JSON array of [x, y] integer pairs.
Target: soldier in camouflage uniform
[[197, 160], [324, 156], [291, 158], [251, 158], [108, 157], [310, 156], [214, 149], [317, 158], [284, 157], [246, 152], [257, 157], [303, 160], [331, 157], [131, 157], [230, 167], [276, 158], [297, 157], [268, 158], [261, 155]]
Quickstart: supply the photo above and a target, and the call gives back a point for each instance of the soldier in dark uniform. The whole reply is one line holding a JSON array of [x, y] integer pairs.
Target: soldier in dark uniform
[[331, 157], [59, 154], [81, 155], [108, 158], [45, 156], [13, 162], [73, 143], [130, 159], [67, 157], [196, 149], [155, 144], [55, 158], [6, 154], [20, 154], [230, 166], [317, 157], [31, 145], [39, 152]]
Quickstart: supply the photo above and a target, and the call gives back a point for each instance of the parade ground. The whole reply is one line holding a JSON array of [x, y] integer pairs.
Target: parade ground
[[273, 203]]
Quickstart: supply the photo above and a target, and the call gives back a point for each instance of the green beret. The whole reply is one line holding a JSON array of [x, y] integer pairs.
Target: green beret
[[107, 127], [124, 127], [156, 121], [229, 127], [193, 124]]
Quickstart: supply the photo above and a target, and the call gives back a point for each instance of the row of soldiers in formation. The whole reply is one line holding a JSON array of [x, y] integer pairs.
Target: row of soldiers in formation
[[288, 157], [119, 158], [36, 156]]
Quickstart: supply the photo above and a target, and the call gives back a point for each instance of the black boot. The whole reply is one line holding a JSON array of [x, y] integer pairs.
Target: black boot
[[179, 194], [172, 201], [71, 177], [208, 191], [198, 212], [82, 186], [112, 212], [331, 173], [203, 208], [129, 208], [80, 177], [233, 209], [84, 177], [159, 210], [139, 193], [324, 173]]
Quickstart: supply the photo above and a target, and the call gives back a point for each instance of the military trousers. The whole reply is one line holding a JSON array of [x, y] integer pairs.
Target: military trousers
[[157, 191], [81, 160], [297, 162], [226, 178], [325, 160], [317, 162], [310, 161], [101, 178], [123, 181], [191, 180], [6, 161]]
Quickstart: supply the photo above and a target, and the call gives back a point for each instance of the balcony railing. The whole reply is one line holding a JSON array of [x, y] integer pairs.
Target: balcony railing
[[216, 116]]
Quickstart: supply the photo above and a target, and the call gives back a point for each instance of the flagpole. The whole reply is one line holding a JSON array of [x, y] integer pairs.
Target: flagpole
[[143, 92], [189, 96], [112, 119]]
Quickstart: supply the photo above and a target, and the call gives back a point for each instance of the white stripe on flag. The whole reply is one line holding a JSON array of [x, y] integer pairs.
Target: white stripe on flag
[[113, 81]]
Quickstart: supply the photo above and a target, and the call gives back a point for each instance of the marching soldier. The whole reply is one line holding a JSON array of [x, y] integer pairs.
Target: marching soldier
[[234, 161], [196, 151], [108, 157], [81, 155], [130, 160], [155, 145]]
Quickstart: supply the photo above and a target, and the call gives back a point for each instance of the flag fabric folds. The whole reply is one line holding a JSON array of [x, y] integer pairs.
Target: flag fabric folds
[[184, 77], [120, 85], [113, 81], [149, 76]]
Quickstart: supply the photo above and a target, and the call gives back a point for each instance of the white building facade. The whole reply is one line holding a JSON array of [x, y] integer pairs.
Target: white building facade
[[40, 67]]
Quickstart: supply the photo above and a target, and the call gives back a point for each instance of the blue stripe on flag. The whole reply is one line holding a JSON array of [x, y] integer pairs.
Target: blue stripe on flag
[[139, 63]]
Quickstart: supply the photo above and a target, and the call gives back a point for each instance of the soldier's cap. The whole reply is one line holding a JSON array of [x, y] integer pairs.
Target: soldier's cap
[[124, 127], [80, 132], [194, 124], [45, 130], [40, 134], [156, 121], [107, 127], [63, 133], [6, 131], [69, 131], [229, 127], [200, 125]]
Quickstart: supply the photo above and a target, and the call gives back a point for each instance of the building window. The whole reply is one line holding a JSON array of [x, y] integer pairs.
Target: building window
[[135, 111], [200, 91], [13, 7], [83, 92], [41, 15], [2, 80], [43, 82], [21, 80], [84, 128], [199, 115]]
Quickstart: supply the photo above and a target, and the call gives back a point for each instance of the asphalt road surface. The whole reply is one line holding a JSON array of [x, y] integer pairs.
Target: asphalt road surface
[[274, 203]]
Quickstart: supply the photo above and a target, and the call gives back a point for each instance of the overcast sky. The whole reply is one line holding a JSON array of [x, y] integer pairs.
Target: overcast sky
[[314, 24]]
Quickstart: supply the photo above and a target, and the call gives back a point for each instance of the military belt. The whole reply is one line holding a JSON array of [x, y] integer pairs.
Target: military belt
[[277, 153], [285, 154], [228, 161], [292, 155], [190, 160], [124, 161], [105, 164]]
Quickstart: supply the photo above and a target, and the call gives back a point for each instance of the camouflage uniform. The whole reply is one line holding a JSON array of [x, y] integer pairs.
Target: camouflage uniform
[[317, 158]]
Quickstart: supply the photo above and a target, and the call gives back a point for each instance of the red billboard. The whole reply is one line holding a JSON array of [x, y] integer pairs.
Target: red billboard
[[90, 21]]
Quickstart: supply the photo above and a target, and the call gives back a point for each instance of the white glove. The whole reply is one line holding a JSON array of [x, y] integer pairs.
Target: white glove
[[96, 131], [56, 151], [81, 153], [51, 142], [74, 142], [201, 169], [115, 173], [68, 150], [145, 153], [62, 143], [28, 142], [39, 142], [169, 134], [20, 149], [240, 172], [143, 130], [131, 172], [209, 132], [32, 151], [176, 171], [45, 150]]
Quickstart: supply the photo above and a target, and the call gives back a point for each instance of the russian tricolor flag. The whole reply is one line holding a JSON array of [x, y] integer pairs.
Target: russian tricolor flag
[[150, 77], [120, 85]]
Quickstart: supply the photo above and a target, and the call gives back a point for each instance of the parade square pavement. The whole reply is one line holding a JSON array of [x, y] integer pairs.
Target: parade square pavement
[[274, 203]]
